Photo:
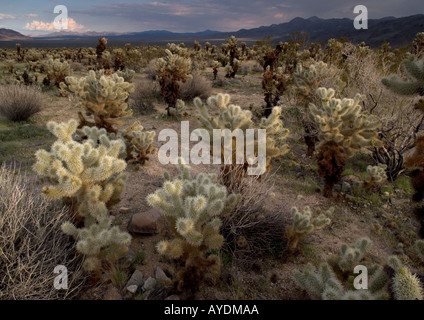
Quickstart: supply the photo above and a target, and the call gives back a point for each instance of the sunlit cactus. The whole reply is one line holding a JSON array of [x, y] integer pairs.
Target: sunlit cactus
[[57, 71], [376, 175], [343, 130], [103, 97], [233, 117], [193, 207], [305, 222], [89, 175]]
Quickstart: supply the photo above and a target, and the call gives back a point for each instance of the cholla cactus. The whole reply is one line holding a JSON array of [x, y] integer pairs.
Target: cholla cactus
[[376, 176], [193, 207], [304, 223], [170, 70], [415, 71], [418, 45], [57, 71], [406, 286], [352, 255], [140, 143], [419, 248], [89, 174], [231, 49], [343, 130], [103, 97], [215, 66], [128, 75], [327, 283], [233, 117], [273, 86], [100, 49]]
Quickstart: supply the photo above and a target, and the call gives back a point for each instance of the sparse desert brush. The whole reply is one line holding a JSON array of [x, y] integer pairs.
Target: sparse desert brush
[[197, 86], [252, 231], [77, 66], [146, 92], [250, 66], [32, 243], [19, 103]]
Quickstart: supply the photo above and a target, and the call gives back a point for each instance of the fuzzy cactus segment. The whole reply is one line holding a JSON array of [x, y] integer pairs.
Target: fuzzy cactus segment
[[407, 286]]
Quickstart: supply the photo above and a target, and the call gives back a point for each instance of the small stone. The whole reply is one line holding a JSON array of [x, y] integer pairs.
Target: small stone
[[149, 222], [132, 289], [136, 279], [174, 297], [161, 277], [299, 197], [124, 210], [149, 284], [126, 261]]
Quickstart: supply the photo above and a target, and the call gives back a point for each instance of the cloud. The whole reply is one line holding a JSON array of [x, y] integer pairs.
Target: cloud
[[4, 16], [49, 26]]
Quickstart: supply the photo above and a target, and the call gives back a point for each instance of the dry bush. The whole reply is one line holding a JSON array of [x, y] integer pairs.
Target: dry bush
[[18, 103], [250, 66], [251, 231], [150, 70], [76, 66], [32, 243], [198, 86], [401, 122], [145, 94]]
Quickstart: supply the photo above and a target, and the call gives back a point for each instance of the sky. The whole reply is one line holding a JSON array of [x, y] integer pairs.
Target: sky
[[36, 17]]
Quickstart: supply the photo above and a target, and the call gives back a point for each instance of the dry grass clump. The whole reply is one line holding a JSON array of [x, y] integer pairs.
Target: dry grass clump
[[144, 96], [250, 230], [198, 86], [32, 243], [18, 103], [250, 66]]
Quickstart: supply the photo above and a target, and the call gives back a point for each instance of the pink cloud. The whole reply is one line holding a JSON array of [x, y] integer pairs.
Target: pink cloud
[[49, 26]]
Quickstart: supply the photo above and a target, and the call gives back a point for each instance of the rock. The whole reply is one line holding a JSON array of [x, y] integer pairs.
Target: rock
[[149, 284], [137, 279], [174, 297], [112, 293], [127, 261], [149, 222], [132, 289], [161, 277], [124, 210], [352, 180]]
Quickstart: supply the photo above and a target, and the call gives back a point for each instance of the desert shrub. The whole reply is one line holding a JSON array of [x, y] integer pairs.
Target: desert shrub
[[32, 243], [18, 103], [250, 66], [76, 66], [252, 231], [150, 70], [145, 94], [197, 86]]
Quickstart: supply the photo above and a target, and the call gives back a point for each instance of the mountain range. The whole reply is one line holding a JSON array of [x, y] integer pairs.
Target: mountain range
[[396, 31]]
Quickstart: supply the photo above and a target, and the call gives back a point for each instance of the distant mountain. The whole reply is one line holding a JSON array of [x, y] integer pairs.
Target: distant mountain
[[396, 31], [10, 35]]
